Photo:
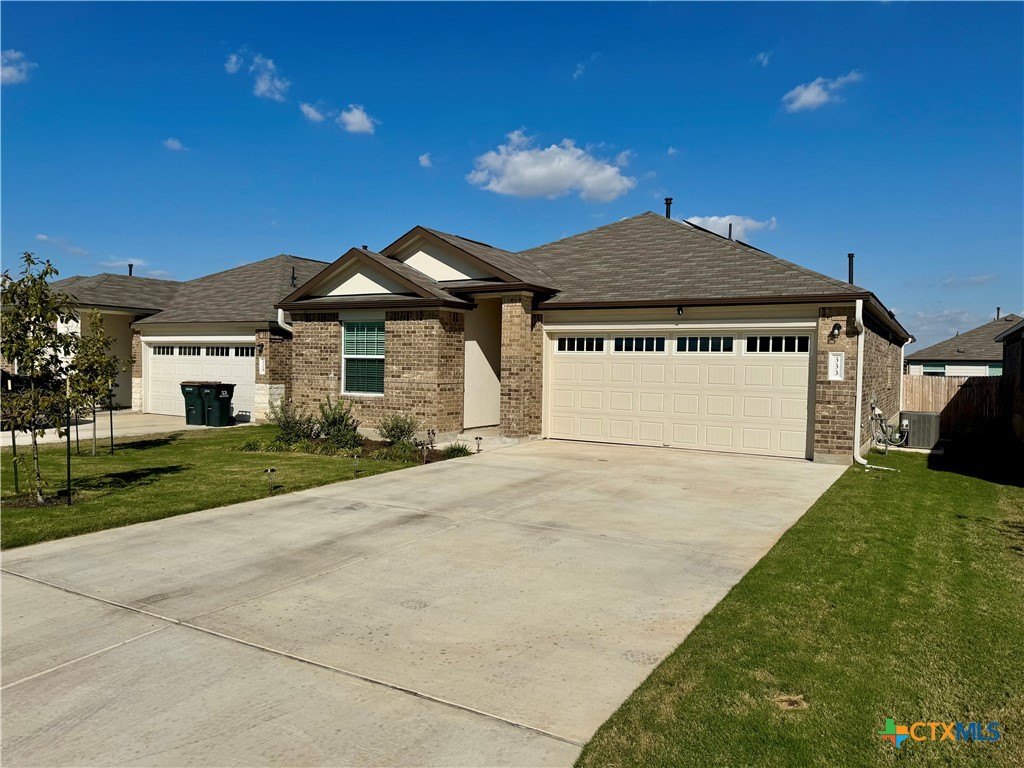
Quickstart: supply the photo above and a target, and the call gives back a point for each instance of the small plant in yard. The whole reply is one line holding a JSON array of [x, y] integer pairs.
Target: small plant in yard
[[455, 450], [398, 428], [294, 422], [253, 444], [405, 452], [337, 425]]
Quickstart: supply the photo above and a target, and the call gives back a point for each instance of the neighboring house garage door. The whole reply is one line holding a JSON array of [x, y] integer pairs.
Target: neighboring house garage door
[[745, 392], [168, 364]]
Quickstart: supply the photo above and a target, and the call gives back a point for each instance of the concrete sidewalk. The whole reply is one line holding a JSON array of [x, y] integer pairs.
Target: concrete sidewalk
[[489, 610], [126, 424]]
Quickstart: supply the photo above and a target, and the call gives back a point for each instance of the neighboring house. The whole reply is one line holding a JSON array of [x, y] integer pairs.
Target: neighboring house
[[1012, 340], [647, 331], [120, 300], [973, 353], [211, 329]]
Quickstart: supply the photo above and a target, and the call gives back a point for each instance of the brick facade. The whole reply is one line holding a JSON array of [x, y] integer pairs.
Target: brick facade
[[835, 401], [137, 386], [522, 366], [882, 372], [275, 382], [424, 368]]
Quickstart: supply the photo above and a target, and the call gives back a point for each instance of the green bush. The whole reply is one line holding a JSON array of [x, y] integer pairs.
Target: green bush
[[455, 450], [398, 428], [337, 425], [295, 423], [404, 452], [253, 444]]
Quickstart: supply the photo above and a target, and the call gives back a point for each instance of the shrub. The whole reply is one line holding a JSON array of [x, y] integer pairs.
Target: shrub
[[398, 428], [252, 444], [404, 452], [455, 450], [337, 426], [294, 422]]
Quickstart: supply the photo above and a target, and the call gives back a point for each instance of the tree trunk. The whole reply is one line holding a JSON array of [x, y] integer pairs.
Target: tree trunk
[[35, 448], [14, 456], [94, 429], [78, 446]]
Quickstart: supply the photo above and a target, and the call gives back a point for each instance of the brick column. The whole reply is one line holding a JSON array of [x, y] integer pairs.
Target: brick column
[[315, 361], [835, 401], [273, 384], [522, 351], [136, 371]]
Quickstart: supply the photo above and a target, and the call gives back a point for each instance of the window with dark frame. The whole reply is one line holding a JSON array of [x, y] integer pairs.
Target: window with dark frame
[[363, 357], [779, 344], [639, 344], [580, 344], [190, 351], [715, 344]]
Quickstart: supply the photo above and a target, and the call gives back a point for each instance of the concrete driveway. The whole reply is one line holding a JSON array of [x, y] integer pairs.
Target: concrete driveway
[[492, 610]]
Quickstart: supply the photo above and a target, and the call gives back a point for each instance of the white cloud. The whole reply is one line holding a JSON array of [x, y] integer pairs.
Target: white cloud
[[741, 225], [174, 144], [123, 263], [581, 67], [64, 245], [312, 114], [268, 84], [956, 281], [818, 92], [930, 326], [356, 120], [517, 168], [233, 63], [763, 58], [672, 151], [425, 161], [624, 157], [14, 67]]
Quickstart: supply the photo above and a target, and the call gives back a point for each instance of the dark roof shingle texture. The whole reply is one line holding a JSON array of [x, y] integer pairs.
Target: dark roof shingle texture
[[244, 294], [109, 290], [976, 344], [649, 258]]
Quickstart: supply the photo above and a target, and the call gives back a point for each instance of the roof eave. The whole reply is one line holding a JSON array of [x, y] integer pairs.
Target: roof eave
[[343, 303]]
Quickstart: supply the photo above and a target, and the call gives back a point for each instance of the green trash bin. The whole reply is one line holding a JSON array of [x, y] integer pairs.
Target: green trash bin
[[217, 397], [195, 408]]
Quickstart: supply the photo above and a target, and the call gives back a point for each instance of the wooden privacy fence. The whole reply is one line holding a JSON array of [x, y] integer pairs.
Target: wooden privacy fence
[[967, 403]]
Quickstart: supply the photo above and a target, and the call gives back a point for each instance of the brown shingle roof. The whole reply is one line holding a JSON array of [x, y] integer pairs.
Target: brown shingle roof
[[244, 294], [110, 290], [649, 257], [976, 344]]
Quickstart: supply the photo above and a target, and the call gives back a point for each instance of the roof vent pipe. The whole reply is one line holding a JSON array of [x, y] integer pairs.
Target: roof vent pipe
[[730, 230], [999, 311], [295, 280], [130, 268], [850, 278], [668, 207]]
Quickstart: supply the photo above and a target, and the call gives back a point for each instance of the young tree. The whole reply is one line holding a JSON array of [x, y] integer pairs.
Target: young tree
[[34, 335], [94, 370]]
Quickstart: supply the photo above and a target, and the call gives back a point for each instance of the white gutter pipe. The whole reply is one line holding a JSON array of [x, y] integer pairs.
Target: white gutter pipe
[[858, 323], [282, 323]]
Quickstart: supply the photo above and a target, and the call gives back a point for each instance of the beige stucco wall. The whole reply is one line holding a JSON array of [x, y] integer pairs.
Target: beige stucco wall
[[119, 327], [483, 365]]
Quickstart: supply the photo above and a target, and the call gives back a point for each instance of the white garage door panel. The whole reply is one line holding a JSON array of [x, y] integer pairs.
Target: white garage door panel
[[741, 402], [163, 375]]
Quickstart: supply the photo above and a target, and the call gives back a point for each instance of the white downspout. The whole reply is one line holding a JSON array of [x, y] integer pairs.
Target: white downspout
[[282, 323], [859, 325]]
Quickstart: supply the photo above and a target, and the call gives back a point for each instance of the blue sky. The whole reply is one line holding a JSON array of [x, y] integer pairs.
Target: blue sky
[[192, 137]]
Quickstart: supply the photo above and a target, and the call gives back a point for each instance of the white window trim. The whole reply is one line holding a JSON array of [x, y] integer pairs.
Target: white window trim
[[665, 351], [745, 351], [344, 357], [606, 343], [735, 343]]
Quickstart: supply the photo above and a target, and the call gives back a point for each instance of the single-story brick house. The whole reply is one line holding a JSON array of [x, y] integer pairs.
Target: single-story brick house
[[1012, 340], [973, 353], [648, 331]]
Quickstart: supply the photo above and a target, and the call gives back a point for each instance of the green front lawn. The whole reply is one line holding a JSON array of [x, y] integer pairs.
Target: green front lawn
[[898, 595], [149, 478]]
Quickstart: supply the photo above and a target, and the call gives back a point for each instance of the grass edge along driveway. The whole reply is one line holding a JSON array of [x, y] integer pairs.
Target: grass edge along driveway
[[897, 595], [157, 476]]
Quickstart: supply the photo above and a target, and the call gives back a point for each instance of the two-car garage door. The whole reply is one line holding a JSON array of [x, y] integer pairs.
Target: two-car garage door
[[740, 391], [168, 364]]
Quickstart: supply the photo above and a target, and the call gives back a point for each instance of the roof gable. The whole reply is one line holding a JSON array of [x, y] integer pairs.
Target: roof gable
[[976, 344]]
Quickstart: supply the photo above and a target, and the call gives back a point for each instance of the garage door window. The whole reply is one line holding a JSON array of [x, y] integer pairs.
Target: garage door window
[[189, 351], [218, 351], [363, 358], [639, 343], [704, 344], [163, 350], [779, 344], [580, 344]]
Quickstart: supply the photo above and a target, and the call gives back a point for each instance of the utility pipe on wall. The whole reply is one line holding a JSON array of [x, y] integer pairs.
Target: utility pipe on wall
[[859, 400], [282, 323]]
